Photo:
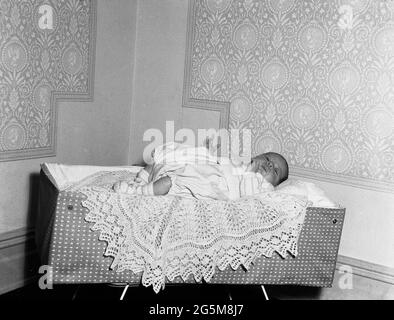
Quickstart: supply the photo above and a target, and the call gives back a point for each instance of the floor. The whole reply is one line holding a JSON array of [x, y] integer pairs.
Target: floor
[[195, 301], [174, 293]]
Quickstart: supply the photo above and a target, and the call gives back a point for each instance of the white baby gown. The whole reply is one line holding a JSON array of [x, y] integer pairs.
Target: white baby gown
[[194, 172]]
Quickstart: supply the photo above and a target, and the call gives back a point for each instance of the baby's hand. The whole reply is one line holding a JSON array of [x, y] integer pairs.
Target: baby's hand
[[120, 186]]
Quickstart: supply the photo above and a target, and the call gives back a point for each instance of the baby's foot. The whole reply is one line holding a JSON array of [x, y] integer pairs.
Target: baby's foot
[[121, 187]]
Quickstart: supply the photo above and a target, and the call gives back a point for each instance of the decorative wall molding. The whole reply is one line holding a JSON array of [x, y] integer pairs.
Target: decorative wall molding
[[47, 55], [18, 259], [334, 178], [222, 108], [367, 269], [318, 93], [16, 237]]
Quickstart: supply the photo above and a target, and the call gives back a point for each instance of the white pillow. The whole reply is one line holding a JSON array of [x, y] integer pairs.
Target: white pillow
[[308, 190], [63, 176]]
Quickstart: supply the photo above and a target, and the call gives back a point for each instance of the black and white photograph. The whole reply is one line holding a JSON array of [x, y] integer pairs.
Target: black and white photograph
[[196, 158]]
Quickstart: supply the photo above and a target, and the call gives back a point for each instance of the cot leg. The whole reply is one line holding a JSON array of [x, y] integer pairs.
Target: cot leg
[[124, 292], [265, 292], [74, 297]]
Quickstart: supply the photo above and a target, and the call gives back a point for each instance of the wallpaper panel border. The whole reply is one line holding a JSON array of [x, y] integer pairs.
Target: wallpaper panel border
[[224, 109], [58, 96], [187, 100]]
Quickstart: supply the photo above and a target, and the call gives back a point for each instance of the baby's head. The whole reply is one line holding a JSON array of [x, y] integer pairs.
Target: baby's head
[[272, 166]]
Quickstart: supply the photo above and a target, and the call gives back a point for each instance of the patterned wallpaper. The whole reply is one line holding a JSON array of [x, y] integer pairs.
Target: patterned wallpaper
[[46, 47], [312, 79]]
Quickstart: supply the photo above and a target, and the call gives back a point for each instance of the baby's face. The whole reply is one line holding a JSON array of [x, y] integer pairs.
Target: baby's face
[[272, 166]]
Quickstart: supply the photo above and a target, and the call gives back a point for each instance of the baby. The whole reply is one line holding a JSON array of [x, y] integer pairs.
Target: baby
[[194, 172]]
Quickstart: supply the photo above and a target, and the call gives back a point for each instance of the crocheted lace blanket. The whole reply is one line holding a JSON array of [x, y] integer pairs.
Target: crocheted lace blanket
[[165, 237]]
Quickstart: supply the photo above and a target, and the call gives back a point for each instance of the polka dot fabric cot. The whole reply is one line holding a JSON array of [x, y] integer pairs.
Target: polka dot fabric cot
[[77, 256], [314, 264]]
